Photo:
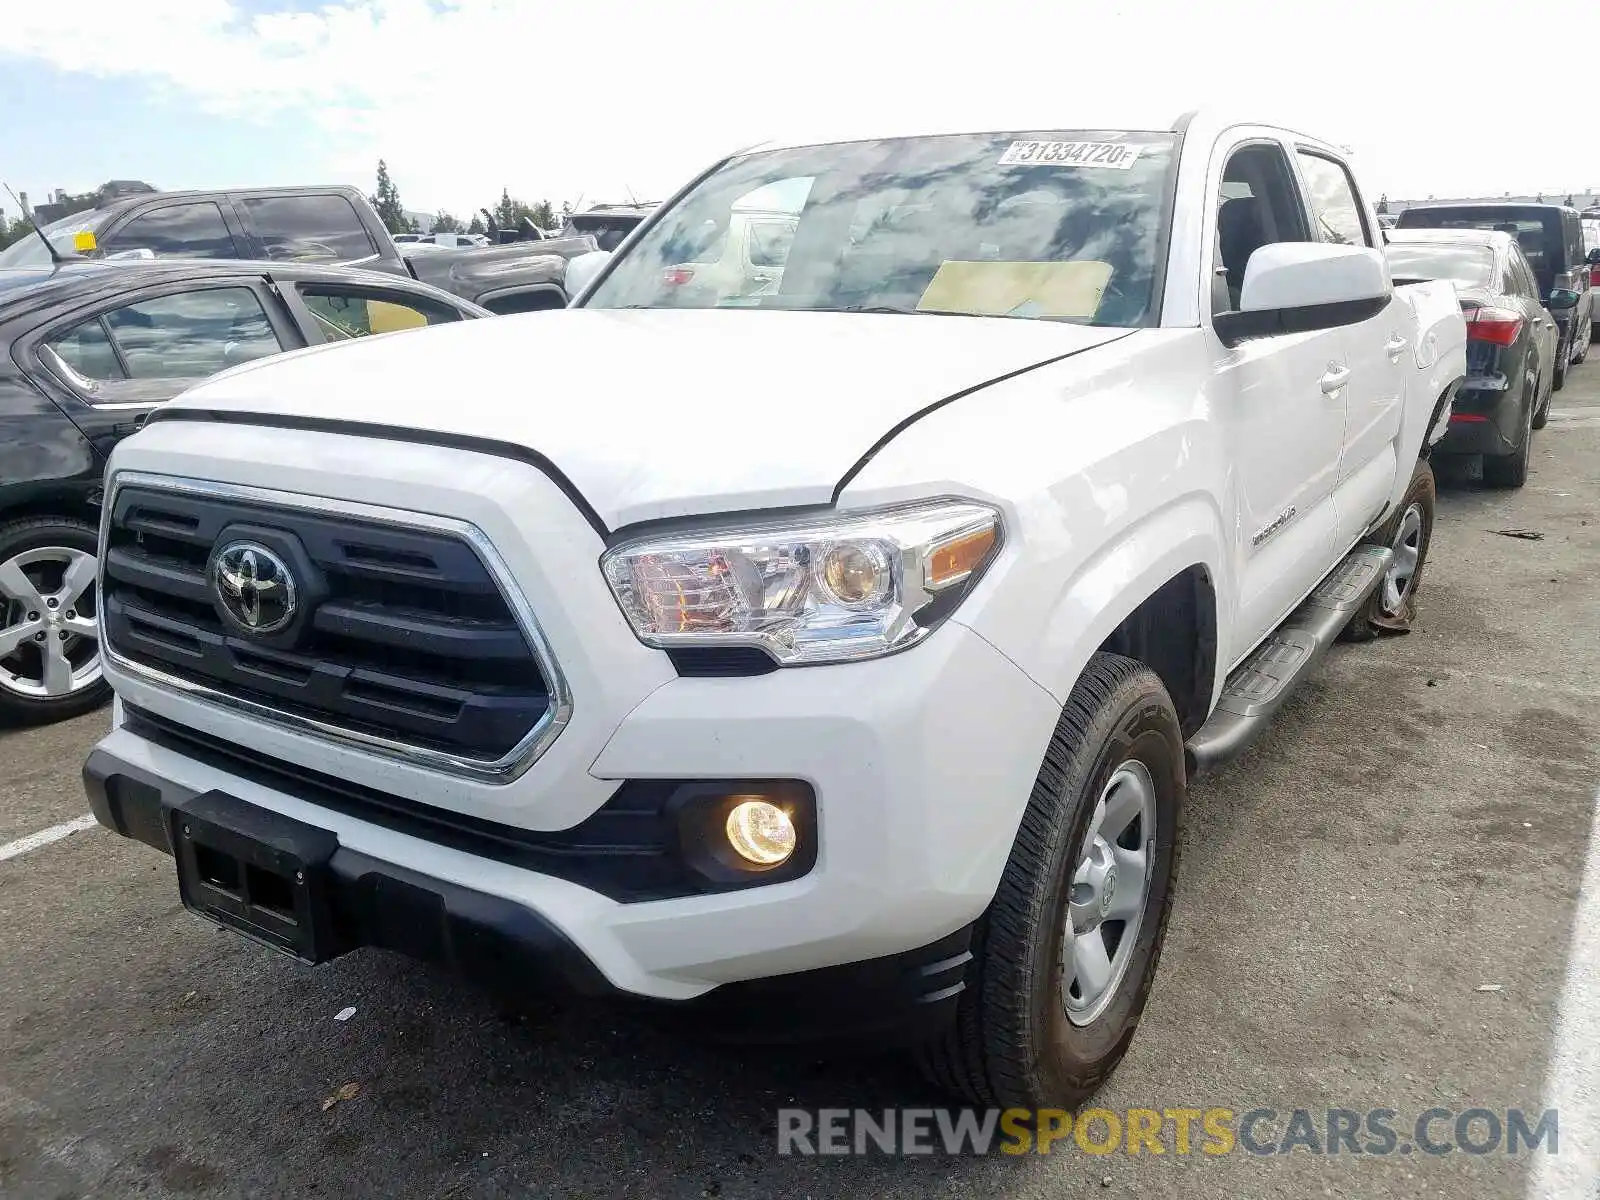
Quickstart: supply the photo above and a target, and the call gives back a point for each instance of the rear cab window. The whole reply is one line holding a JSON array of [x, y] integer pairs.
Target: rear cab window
[[316, 227]]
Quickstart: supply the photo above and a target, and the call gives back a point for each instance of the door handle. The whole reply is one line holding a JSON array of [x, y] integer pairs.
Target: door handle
[[1334, 378], [1394, 346]]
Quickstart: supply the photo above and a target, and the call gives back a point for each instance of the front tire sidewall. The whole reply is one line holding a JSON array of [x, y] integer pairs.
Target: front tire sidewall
[[1075, 1054]]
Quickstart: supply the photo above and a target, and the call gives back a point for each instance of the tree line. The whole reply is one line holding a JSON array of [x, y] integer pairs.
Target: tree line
[[14, 229], [507, 212]]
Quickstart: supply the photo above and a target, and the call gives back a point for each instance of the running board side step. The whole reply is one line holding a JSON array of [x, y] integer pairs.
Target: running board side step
[[1263, 682]]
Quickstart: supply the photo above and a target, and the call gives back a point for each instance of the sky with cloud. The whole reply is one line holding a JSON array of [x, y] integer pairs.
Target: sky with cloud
[[602, 98]]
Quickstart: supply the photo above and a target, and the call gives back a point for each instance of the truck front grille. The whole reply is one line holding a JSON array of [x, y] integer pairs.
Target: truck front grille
[[399, 633]]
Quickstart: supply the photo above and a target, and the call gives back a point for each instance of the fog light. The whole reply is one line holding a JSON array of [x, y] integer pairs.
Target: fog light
[[760, 832]]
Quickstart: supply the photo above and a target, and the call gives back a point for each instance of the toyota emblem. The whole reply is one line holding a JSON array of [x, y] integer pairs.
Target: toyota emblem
[[254, 587]]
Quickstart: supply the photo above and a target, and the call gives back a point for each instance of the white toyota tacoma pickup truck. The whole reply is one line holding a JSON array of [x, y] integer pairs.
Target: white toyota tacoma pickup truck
[[827, 651]]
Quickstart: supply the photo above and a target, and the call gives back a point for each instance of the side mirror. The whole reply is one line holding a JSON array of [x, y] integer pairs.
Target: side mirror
[[582, 270], [1593, 257], [1293, 287], [1562, 298]]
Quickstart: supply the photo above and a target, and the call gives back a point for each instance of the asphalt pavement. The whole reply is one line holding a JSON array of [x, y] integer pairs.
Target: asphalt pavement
[[1376, 911]]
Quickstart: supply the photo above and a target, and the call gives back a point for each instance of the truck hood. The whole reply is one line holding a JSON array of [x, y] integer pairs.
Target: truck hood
[[656, 413]]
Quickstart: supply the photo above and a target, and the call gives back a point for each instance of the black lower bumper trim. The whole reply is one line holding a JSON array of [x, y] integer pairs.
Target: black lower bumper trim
[[501, 944]]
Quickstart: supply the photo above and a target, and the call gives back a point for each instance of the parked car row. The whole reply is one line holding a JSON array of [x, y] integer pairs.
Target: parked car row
[[524, 270], [1525, 277]]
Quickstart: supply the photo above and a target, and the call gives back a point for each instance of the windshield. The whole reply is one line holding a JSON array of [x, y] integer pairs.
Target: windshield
[[29, 251], [1463, 265], [1063, 226]]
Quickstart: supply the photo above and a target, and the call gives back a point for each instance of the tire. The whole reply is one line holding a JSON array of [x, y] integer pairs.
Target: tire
[[35, 554], [1558, 377], [1393, 609], [1013, 1043], [1510, 470], [1541, 416]]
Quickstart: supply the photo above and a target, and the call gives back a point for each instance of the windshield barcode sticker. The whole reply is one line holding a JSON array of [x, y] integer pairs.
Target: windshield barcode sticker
[[1118, 156]]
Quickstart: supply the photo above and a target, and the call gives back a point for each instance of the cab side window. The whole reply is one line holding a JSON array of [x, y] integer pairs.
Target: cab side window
[[194, 230], [1258, 205], [1338, 214], [309, 228]]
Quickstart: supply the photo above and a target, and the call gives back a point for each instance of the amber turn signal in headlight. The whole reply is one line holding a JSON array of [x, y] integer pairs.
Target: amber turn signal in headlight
[[952, 561]]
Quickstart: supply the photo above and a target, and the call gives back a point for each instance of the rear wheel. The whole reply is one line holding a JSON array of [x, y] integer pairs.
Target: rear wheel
[[1543, 397], [1064, 958], [1408, 533], [1511, 470], [49, 641]]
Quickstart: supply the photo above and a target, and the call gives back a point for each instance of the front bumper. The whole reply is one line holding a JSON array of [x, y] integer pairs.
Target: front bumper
[[921, 771], [502, 944]]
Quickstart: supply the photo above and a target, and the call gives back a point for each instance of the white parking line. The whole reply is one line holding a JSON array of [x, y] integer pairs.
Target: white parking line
[[45, 836], [1572, 1082]]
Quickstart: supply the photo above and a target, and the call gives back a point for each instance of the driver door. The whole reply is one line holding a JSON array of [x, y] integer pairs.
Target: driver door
[[1281, 401]]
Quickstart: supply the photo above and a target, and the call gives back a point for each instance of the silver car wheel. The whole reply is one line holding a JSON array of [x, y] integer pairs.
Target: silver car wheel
[[49, 637]]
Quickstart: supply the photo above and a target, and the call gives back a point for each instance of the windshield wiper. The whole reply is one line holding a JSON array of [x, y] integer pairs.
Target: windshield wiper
[[904, 312]]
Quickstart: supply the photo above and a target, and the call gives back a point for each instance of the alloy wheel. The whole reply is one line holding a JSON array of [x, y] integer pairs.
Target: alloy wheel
[[49, 637]]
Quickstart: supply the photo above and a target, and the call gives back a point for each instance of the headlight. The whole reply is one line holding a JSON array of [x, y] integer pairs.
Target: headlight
[[838, 588]]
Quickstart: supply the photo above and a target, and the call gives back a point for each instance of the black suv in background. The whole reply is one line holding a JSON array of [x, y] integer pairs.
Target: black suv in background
[[1551, 237], [302, 224], [334, 225]]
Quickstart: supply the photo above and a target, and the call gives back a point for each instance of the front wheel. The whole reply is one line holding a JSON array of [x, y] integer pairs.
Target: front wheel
[[1065, 955], [49, 641]]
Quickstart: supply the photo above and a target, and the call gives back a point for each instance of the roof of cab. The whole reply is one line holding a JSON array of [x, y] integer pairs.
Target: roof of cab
[[1207, 121]]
